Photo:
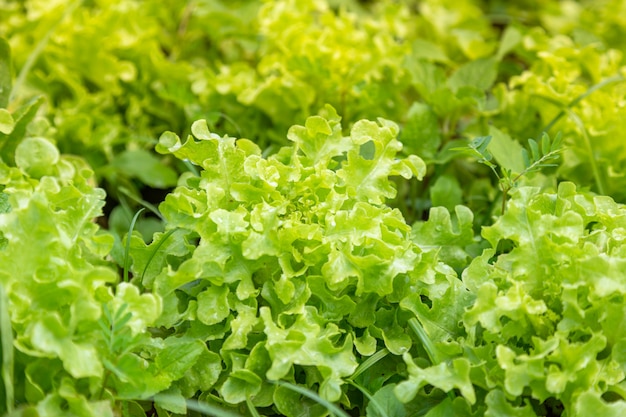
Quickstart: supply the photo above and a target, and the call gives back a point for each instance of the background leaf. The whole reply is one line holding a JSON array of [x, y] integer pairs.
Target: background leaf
[[506, 151], [6, 73]]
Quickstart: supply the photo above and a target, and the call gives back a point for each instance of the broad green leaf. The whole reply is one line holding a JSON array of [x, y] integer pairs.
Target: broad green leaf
[[213, 305], [545, 144], [367, 179], [509, 41], [506, 151], [178, 356], [230, 223], [171, 400], [497, 405], [50, 336], [446, 192], [445, 376], [240, 385], [293, 404], [241, 327], [480, 74], [307, 343], [203, 375], [68, 401], [364, 314], [429, 51], [451, 407], [440, 308], [421, 133], [448, 236], [591, 403], [149, 260], [263, 239], [329, 304], [365, 344], [534, 149], [387, 404], [320, 139], [428, 78], [144, 308], [395, 336], [146, 167]]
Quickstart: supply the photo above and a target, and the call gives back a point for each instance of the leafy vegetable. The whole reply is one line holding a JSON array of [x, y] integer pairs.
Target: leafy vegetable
[[309, 237], [277, 228]]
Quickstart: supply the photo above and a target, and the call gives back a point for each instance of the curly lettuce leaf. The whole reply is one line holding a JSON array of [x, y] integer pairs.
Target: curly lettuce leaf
[[290, 246]]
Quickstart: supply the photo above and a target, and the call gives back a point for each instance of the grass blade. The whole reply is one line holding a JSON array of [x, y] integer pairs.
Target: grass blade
[[426, 342], [127, 249], [369, 363]]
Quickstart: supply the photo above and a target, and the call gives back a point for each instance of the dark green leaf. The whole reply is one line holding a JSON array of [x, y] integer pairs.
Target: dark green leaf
[[146, 167], [385, 403], [421, 133]]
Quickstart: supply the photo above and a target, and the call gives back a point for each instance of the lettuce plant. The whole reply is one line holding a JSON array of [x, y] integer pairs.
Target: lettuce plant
[[298, 264], [539, 333], [346, 266]]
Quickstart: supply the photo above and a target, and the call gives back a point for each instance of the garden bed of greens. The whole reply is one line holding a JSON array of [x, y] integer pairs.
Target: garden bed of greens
[[308, 208]]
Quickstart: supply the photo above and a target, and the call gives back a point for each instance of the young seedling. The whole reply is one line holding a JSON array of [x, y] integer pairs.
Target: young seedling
[[537, 157]]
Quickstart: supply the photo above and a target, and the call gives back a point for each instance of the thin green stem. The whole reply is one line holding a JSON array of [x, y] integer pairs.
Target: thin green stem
[[505, 193]]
